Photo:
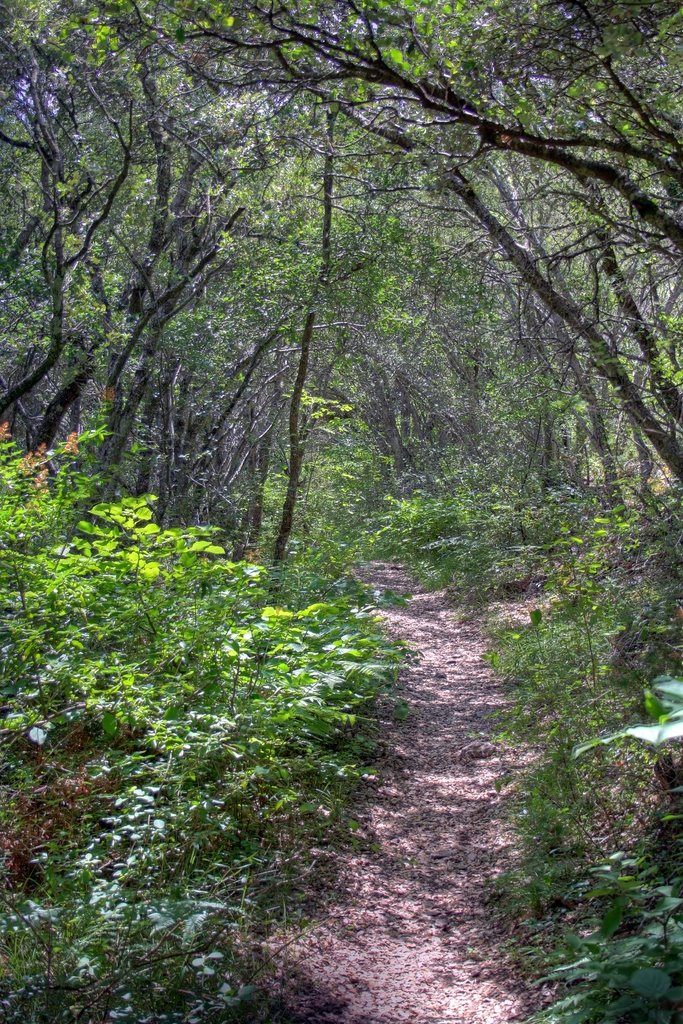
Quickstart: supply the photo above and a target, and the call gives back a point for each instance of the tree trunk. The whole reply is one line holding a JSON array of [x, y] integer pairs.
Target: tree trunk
[[606, 361], [296, 432]]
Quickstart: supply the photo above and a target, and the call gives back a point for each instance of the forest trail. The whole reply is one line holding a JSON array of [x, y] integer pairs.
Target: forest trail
[[406, 936]]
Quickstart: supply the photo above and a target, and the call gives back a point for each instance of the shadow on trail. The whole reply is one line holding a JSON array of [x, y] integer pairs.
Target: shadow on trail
[[406, 933]]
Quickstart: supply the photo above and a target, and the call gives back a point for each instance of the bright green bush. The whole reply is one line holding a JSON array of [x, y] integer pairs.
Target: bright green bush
[[481, 544], [172, 739], [567, 682], [630, 969]]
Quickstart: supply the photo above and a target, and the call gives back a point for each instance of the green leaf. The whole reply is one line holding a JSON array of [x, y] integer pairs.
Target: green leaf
[[612, 919], [109, 723], [276, 613], [656, 734], [536, 616], [650, 982], [180, 34], [653, 705], [670, 687], [200, 545], [149, 528], [150, 570]]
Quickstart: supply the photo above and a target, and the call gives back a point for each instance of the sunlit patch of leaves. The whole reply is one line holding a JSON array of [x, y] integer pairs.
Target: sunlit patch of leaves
[[171, 737]]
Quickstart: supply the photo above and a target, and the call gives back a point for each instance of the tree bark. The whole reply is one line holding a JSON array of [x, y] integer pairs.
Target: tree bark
[[606, 361], [296, 432]]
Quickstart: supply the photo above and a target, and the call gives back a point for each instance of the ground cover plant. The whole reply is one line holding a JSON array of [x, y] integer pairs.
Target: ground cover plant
[[171, 740], [596, 625]]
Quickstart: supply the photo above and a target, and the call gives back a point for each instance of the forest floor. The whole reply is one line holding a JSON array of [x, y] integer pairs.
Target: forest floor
[[404, 929]]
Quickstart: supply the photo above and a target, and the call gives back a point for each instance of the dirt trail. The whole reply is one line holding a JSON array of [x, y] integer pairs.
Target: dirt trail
[[406, 935]]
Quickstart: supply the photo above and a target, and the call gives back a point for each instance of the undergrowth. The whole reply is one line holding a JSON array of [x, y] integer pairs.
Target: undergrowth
[[177, 730], [595, 617]]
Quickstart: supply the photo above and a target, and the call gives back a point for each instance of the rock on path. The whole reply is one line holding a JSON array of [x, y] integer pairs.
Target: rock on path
[[406, 936]]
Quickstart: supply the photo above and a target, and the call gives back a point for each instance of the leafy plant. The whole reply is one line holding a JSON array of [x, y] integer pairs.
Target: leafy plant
[[630, 969], [664, 702], [171, 740]]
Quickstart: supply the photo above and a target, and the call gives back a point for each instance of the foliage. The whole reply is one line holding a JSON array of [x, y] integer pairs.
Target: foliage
[[576, 670], [630, 969], [637, 976], [170, 739], [482, 544], [343, 280], [664, 702]]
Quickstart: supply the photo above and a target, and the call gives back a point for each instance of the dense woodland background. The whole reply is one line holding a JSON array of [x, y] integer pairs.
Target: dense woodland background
[[287, 286]]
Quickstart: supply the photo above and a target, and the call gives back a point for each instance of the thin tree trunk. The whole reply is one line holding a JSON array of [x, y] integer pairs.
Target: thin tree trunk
[[296, 432], [61, 403], [606, 361], [123, 413], [296, 442], [58, 335]]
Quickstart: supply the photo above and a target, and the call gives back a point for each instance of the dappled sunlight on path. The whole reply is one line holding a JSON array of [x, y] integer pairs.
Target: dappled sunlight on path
[[406, 936]]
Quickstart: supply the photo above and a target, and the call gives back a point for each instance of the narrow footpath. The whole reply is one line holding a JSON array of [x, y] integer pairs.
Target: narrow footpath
[[408, 935]]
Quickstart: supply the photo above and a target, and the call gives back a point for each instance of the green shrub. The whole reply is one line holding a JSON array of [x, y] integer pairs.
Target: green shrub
[[629, 969], [480, 545], [567, 682], [172, 740]]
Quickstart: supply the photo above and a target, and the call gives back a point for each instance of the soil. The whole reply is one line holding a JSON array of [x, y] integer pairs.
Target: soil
[[408, 932]]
